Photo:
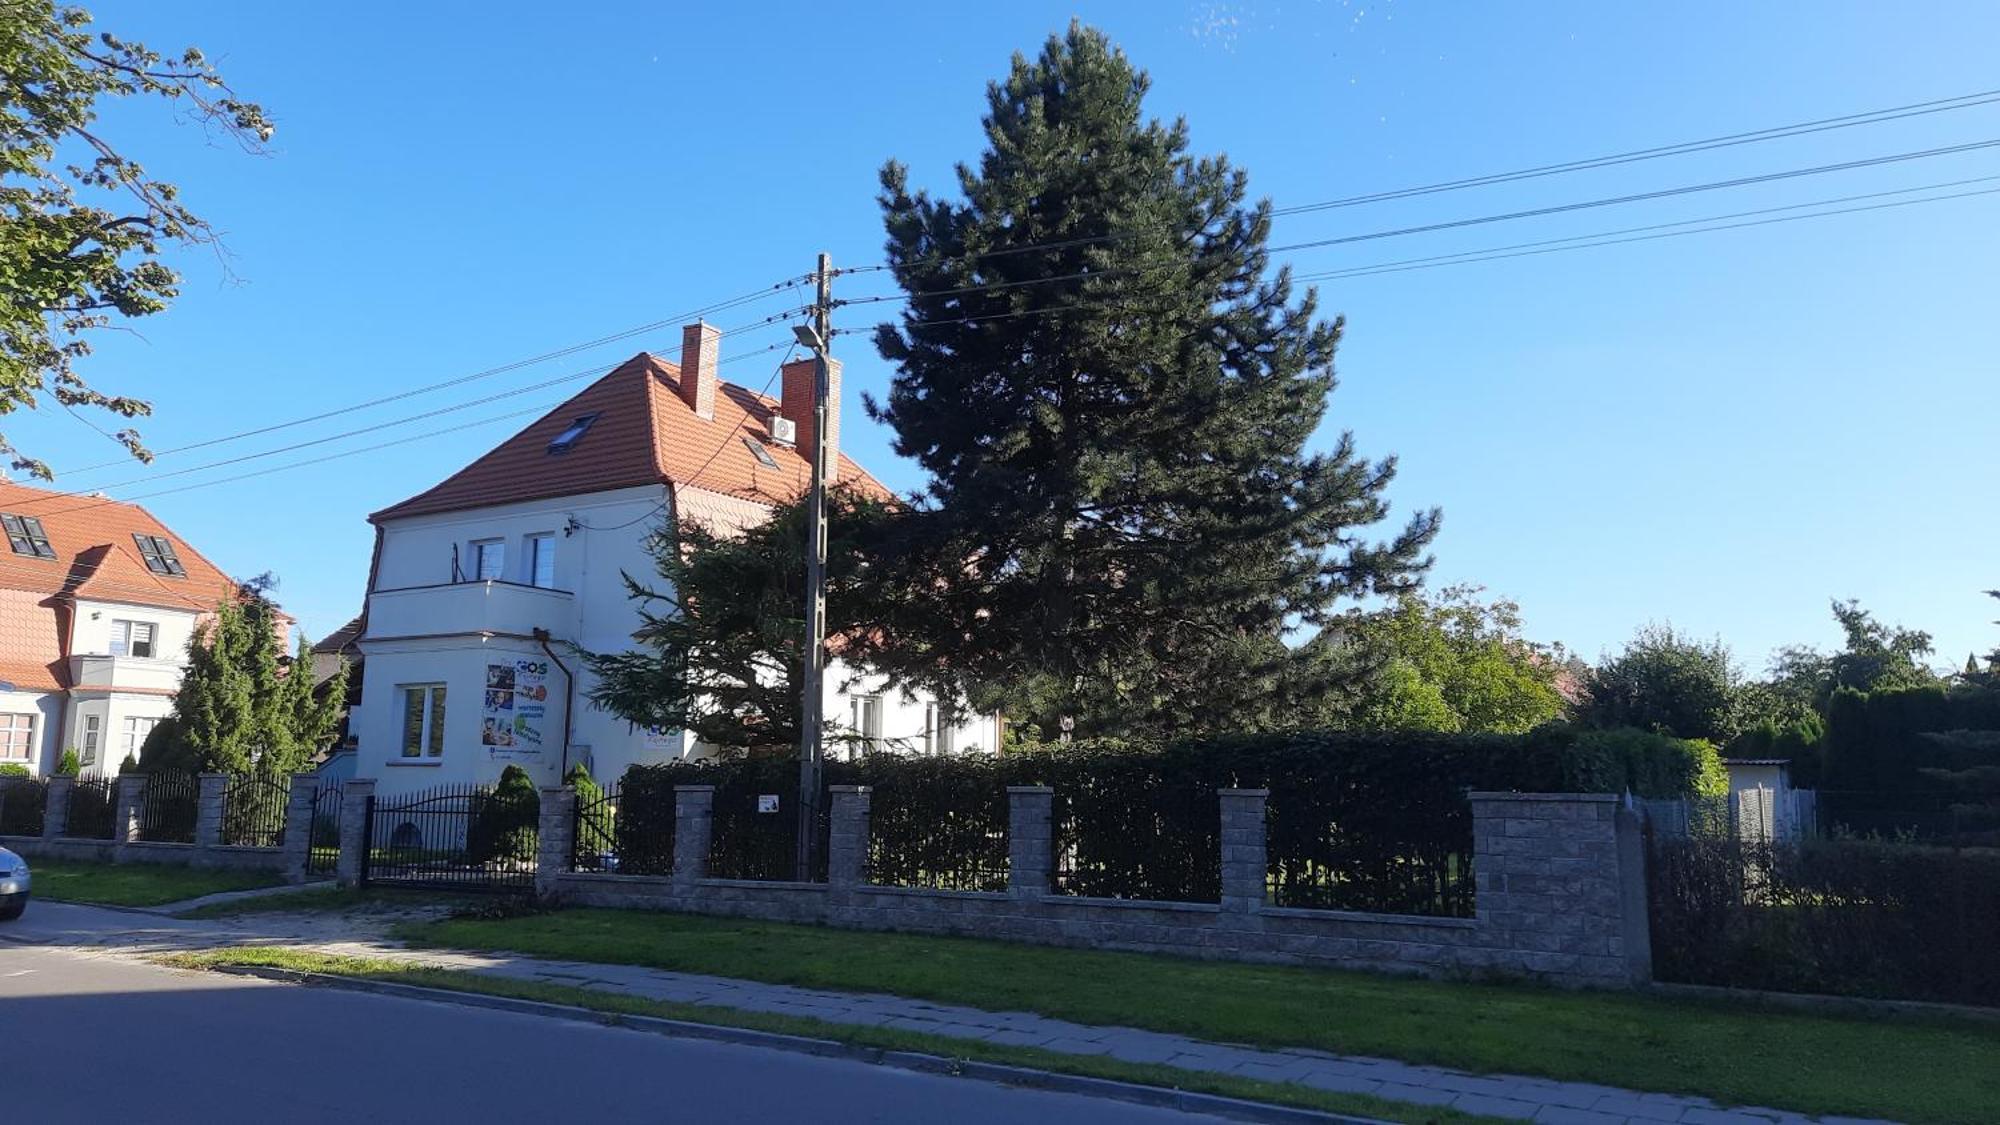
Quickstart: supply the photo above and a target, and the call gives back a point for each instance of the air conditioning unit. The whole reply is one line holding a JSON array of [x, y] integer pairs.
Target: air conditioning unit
[[784, 431]]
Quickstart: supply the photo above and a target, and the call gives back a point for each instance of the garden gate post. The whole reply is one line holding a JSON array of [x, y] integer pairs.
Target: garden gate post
[[847, 856], [553, 842], [1030, 840], [694, 820], [131, 805], [1551, 882], [55, 814], [1634, 902], [355, 797], [1244, 877], [208, 809], [297, 841]]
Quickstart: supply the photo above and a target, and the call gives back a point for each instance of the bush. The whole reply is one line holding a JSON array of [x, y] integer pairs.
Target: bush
[[595, 821], [506, 825], [70, 765], [14, 769]]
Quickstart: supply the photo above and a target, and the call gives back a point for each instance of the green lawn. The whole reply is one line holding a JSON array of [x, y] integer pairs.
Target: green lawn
[[137, 884], [1917, 1069], [883, 1038]]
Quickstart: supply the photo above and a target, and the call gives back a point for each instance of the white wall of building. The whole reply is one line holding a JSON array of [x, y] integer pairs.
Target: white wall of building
[[45, 713]]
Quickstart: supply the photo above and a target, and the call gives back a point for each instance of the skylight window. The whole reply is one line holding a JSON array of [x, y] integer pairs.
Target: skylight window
[[25, 535], [758, 451], [566, 441], [159, 555]]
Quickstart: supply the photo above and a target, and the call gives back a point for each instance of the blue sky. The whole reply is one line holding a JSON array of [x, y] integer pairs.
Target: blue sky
[[1722, 430]]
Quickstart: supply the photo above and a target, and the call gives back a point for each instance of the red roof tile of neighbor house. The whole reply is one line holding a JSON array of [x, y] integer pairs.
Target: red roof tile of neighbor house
[[645, 433], [96, 556]]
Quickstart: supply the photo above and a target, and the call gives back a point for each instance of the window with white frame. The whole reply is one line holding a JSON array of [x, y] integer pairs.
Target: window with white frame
[[489, 560], [865, 720], [423, 720], [92, 731], [134, 638], [17, 736], [542, 560], [133, 736], [939, 738]]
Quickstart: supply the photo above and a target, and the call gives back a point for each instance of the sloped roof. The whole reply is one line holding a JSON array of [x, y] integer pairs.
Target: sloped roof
[[97, 558], [644, 434], [341, 639]]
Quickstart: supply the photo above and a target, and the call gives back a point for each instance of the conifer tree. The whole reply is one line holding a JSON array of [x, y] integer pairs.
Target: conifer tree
[[239, 708], [1112, 393]]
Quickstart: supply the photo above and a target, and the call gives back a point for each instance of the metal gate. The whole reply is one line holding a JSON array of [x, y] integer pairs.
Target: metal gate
[[323, 846], [452, 837]]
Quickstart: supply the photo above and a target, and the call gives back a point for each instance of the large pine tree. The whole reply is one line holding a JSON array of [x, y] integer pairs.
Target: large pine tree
[[1112, 394]]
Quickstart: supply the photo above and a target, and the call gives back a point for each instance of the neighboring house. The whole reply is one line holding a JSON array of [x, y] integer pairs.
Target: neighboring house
[[336, 648], [97, 602], [481, 584]]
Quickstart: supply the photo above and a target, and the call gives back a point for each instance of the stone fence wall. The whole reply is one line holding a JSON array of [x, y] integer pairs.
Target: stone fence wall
[[1559, 879], [207, 849]]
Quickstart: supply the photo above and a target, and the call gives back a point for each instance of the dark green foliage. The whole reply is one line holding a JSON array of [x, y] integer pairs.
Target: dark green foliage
[[239, 707], [726, 614], [1665, 681], [1856, 917], [93, 808], [1922, 760], [744, 843], [14, 769], [167, 749], [938, 822], [1112, 400], [23, 804], [506, 824], [70, 764], [595, 820]]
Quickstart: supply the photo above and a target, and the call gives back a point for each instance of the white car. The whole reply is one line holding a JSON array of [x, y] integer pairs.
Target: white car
[[13, 885]]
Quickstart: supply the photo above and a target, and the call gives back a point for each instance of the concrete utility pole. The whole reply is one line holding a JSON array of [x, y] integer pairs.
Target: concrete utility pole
[[813, 698]]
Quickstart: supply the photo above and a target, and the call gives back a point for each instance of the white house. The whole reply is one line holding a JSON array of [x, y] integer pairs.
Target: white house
[[97, 602], [481, 584]]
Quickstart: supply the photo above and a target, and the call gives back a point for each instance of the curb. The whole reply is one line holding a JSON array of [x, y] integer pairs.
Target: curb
[[1004, 1074]]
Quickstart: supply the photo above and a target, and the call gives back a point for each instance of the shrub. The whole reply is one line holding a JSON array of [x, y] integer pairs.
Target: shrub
[[505, 826], [70, 765], [594, 819], [13, 769]]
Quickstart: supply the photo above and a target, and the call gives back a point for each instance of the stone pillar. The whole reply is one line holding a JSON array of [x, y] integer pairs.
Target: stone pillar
[[208, 809], [1244, 877], [847, 854], [131, 804], [297, 840], [1551, 887], [554, 839], [694, 819], [355, 797], [1030, 840], [55, 814]]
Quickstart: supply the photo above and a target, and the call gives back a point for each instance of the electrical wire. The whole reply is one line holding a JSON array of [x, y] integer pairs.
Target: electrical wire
[[654, 326], [1779, 132]]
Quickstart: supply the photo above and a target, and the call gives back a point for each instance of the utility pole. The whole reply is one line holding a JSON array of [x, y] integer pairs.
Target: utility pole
[[813, 698]]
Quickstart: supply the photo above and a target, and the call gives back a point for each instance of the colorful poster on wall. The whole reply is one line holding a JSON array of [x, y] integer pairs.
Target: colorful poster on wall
[[513, 725]]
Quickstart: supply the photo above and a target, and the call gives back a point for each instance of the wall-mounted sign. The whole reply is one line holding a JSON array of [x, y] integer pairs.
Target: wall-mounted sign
[[514, 721], [767, 802]]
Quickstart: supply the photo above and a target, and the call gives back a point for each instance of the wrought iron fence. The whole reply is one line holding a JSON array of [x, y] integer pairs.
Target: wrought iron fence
[[1137, 835], [168, 810], [253, 811], [464, 837], [1331, 848], [23, 801], [937, 823], [93, 809], [748, 842], [323, 845]]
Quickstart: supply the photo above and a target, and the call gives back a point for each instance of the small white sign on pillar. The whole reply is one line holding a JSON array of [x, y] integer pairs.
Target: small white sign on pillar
[[767, 802]]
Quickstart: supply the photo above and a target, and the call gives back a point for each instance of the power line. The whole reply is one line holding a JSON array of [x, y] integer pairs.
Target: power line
[[1779, 132], [719, 306]]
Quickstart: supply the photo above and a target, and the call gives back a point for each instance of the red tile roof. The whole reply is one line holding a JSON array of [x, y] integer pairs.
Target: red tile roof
[[97, 558], [645, 434]]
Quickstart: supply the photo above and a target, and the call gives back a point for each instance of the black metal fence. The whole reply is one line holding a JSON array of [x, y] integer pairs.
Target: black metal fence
[[323, 845], [253, 811], [932, 825], [168, 810], [460, 837], [93, 809], [1861, 917], [1138, 836], [23, 802], [756, 827], [1331, 849]]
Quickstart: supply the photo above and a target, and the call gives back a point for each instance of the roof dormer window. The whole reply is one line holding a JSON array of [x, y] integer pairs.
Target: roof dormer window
[[159, 555], [26, 537], [758, 451], [566, 441]]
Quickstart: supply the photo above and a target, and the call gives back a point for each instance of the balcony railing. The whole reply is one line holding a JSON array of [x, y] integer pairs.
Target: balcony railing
[[470, 607], [99, 671]]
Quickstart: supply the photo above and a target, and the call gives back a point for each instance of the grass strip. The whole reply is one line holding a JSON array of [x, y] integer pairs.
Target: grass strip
[[1091, 1066], [137, 884], [324, 900], [1928, 1069]]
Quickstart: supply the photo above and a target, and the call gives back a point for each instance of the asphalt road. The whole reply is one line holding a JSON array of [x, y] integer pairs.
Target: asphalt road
[[91, 1037]]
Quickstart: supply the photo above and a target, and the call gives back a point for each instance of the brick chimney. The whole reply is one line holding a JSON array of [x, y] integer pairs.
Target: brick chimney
[[797, 405], [700, 342]]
